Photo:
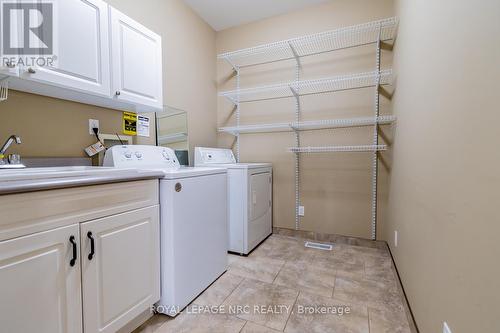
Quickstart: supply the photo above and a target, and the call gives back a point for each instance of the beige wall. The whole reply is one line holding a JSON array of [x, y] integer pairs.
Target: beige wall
[[56, 128], [443, 180], [335, 188], [444, 191], [50, 127]]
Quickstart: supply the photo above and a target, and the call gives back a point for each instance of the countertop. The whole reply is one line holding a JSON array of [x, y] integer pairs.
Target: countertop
[[41, 179]]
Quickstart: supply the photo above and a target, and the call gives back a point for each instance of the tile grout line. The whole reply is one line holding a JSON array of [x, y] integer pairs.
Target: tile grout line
[[369, 326], [232, 291], [334, 284], [246, 322], [283, 265], [293, 307]]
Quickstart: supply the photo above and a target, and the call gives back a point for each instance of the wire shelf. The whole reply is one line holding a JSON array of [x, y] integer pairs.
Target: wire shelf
[[328, 41], [342, 123], [308, 87], [257, 128], [308, 125], [338, 149]]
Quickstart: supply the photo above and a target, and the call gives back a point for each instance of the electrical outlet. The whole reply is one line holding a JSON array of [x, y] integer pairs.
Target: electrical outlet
[[446, 328], [396, 238], [93, 123], [301, 211]]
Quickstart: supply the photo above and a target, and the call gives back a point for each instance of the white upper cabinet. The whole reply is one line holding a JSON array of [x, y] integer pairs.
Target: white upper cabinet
[[103, 57], [137, 62], [81, 35]]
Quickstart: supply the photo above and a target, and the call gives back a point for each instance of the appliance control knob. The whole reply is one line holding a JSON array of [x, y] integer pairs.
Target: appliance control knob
[[138, 154], [128, 154]]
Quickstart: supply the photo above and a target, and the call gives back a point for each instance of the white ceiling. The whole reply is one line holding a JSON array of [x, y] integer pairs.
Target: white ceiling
[[223, 14]]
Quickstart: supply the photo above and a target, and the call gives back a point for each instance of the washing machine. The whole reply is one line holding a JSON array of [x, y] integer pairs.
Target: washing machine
[[193, 222], [250, 203]]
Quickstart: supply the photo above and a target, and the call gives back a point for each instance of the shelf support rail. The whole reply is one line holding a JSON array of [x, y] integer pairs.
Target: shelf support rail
[[376, 139], [238, 107], [296, 94]]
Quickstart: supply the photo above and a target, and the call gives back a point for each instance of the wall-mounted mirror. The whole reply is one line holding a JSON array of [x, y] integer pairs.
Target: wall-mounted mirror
[[172, 132]]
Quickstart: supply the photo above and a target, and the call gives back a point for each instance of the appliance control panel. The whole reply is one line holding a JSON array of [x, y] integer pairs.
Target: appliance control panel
[[136, 156], [207, 156]]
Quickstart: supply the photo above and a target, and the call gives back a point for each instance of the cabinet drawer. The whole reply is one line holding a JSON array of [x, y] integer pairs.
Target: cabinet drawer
[[27, 213]]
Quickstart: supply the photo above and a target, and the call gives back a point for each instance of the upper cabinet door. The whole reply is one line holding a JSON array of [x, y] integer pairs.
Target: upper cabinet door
[[40, 285], [137, 62], [81, 34]]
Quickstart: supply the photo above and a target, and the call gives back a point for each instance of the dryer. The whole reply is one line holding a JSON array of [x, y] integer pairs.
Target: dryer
[[193, 222], [250, 203]]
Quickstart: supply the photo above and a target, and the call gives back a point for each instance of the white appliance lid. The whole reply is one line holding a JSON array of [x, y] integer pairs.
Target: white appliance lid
[[222, 158], [208, 156], [243, 165], [186, 172], [141, 157], [153, 158]]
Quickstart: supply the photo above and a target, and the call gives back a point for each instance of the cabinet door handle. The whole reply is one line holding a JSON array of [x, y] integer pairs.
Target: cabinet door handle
[[92, 245], [73, 260]]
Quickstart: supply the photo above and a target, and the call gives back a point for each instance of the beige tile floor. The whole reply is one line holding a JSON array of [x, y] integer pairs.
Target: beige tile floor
[[281, 279]]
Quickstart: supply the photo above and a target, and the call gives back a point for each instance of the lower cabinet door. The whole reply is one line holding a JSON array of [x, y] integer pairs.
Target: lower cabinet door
[[40, 288], [120, 268]]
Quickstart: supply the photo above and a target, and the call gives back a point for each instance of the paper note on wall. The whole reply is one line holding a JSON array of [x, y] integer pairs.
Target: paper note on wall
[[129, 123], [143, 125]]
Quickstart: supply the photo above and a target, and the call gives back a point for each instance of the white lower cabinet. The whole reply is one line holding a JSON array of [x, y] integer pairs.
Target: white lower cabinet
[[121, 271], [44, 276], [40, 285]]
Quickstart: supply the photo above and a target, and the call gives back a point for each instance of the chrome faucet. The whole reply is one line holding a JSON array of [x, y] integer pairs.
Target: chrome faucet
[[13, 160]]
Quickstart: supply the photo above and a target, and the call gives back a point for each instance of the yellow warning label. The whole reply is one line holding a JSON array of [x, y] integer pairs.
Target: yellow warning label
[[129, 123]]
